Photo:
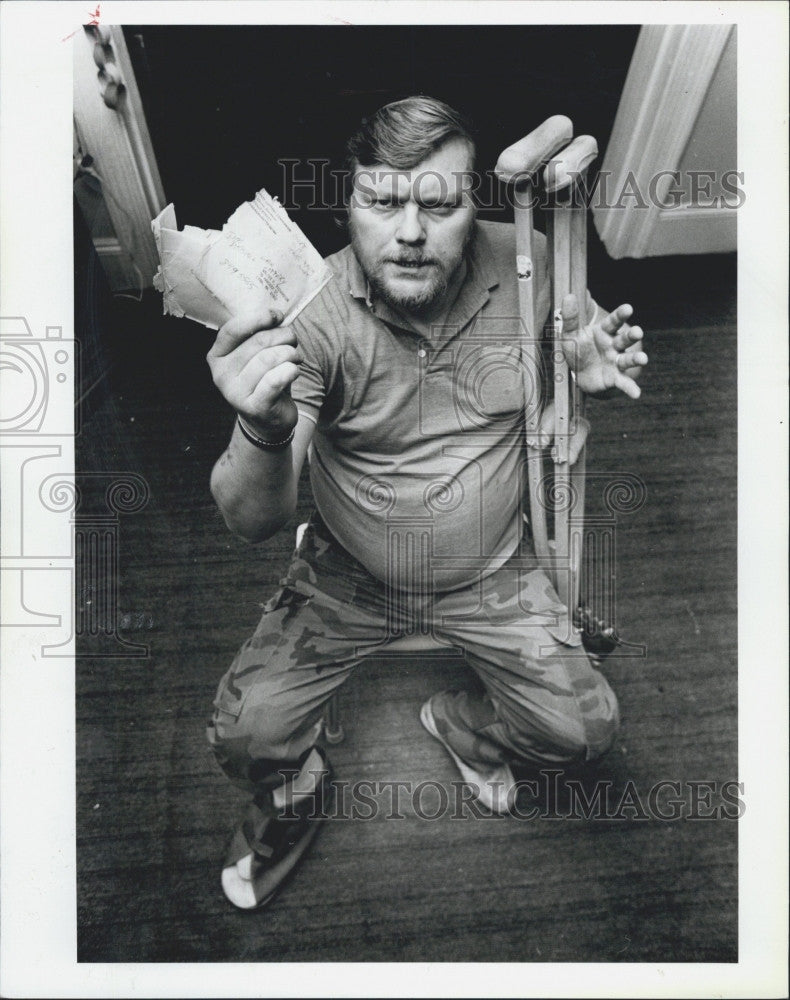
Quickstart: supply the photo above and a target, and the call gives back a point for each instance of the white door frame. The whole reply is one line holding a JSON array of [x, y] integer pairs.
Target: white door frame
[[118, 141], [668, 79]]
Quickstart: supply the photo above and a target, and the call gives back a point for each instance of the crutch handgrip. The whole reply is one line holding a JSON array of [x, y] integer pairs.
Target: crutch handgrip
[[566, 168], [525, 157]]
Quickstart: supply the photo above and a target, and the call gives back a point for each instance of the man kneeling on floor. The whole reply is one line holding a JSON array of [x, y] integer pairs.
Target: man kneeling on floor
[[402, 381]]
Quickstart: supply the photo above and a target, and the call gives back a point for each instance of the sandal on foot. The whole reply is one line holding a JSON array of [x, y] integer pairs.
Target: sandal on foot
[[275, 833], [495, 787]]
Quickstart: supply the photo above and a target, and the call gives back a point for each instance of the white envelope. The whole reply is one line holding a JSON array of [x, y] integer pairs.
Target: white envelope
[[260, 259]]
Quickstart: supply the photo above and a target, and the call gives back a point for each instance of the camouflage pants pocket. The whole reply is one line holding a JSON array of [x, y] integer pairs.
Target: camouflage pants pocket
[[255, 655]]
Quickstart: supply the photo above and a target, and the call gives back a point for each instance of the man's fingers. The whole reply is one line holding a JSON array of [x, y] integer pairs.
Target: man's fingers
[[631, 359], [259, 343], [238, 329], [263, 362], [612, 323], [570, 314], [627, 337], [236, 374], [545, 429], [545, 435], [627, 385], [271, 386]]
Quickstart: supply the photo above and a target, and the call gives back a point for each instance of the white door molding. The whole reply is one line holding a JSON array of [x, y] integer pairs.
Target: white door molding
[[670, 74], [115, 135]]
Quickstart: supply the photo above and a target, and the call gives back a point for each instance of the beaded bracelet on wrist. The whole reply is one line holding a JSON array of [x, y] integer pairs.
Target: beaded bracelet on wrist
[[259, 442]]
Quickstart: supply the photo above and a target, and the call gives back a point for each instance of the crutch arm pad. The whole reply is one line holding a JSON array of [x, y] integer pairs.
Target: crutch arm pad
[[525, 157], [565, 168]]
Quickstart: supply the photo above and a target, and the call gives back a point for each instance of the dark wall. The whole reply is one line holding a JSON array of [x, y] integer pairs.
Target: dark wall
[[225, 103]]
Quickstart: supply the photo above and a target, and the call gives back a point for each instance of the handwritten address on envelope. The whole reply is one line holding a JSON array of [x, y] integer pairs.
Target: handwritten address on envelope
[[260, 259]]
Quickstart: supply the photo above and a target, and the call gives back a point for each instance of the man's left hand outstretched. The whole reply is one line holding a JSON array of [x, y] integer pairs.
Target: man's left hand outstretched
[[606, 354]]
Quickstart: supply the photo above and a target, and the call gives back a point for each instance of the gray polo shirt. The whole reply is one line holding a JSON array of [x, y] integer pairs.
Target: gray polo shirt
[[417, 464]]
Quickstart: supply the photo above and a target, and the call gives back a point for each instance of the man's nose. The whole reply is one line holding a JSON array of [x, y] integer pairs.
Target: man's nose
[[410, 224]]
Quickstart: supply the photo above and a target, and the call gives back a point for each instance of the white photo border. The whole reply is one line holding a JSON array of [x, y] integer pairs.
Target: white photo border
[[37, 779]]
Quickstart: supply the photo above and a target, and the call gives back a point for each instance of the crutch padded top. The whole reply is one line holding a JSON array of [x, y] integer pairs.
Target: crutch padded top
[[527, 155], [565, 168]]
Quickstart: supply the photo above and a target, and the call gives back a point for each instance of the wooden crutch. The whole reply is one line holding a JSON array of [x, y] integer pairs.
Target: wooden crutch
[[518, 165], [567, 249]]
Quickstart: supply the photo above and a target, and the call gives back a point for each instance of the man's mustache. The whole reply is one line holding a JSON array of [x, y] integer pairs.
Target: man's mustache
[[411, 259]]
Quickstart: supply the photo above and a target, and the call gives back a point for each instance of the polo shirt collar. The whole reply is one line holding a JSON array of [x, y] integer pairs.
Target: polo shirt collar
[[480, 278], [357, 282], [482, 260]]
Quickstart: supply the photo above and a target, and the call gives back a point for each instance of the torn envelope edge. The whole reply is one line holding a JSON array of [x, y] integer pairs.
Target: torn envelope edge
[[167, 220], [185, 293], [306, 300], [165, 229]]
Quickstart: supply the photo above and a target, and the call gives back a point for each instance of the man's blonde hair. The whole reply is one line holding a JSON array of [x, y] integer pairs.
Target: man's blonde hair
[[403, 133]]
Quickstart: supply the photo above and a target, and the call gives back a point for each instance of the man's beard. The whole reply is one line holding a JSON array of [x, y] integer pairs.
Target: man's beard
[[422, 301]]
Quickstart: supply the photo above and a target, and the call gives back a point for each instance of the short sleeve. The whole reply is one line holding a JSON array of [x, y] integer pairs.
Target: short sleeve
[[308, 389], [312, 330]]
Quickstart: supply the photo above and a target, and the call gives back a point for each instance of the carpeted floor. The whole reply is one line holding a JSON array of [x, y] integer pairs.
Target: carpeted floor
[[154, 811]]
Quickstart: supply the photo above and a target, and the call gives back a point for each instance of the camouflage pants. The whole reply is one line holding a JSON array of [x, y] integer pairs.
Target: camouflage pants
[[543, 703]]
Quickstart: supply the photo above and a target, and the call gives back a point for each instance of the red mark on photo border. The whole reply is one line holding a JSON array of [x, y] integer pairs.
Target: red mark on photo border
[[94, 16]]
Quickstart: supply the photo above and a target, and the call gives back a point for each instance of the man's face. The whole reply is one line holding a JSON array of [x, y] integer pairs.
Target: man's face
[[410, 228]]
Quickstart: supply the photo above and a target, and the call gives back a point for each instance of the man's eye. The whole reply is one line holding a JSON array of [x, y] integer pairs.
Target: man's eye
[[436, 211]]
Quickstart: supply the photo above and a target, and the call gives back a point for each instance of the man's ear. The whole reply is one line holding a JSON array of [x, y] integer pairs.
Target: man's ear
[[340, 212]]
